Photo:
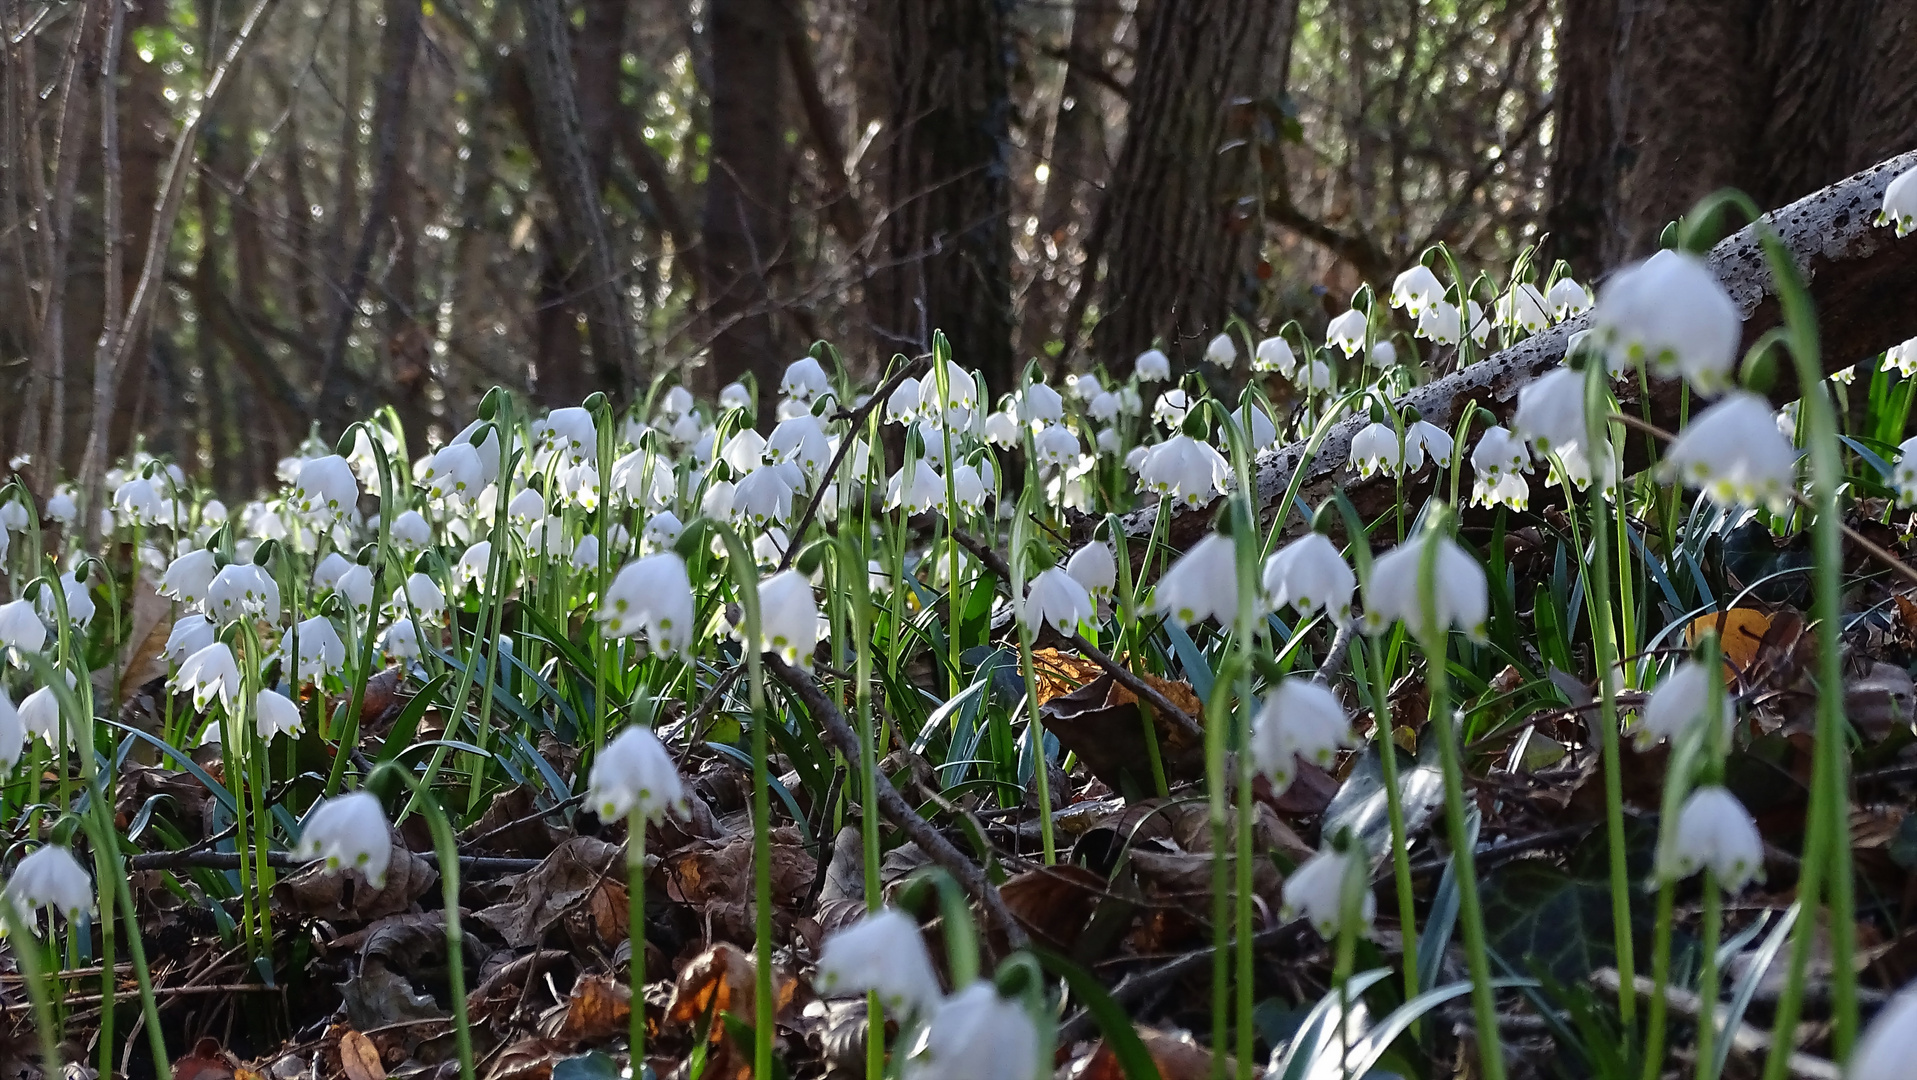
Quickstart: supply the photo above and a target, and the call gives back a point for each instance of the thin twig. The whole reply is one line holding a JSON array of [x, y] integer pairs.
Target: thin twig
[[970, 876]]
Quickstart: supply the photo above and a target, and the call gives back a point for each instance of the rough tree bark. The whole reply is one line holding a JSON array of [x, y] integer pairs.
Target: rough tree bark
[[1662, 103], [558, 131], [1178, 227], [1861, 277], [947, 231], [748, 192]]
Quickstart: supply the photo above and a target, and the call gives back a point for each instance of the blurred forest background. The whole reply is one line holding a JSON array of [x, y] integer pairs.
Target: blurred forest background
[[226, 222]]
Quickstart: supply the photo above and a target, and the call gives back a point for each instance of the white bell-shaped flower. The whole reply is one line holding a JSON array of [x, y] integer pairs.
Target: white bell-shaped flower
[[802, 441], [1440, 323], [1301, 720], [1315, 893], [734, 395], [763, 497], [40, 716], [1085, 386], [1422, 437], [315, 648], [241, 590], [348, 830], [1416, 289], [635, 773], [275, 714], [50, 877], [652, 595], [208, 674], [400, 640], [191, 632], [79, 601], [1903, 471], [968, 487], [1376, 449], [188, 576], [1152, 365], [1461, 597], [137, 501], [1040, 404], [1550, 412], [569, 433], [1222, 350], [526, 507], [662, 530], [1511, 490], [1056, 597], [355, 586], [1678, 703], [1902, 356], [327, 488], [1171, 407], [1055, 446], [1523, 308], [1383, 354], [1094, 567], [1274, 354], [805, 381], [1202, 583], [411, 531], [473, 564], [744, 451], [13, 735], [976, 1035], [585, 554], [1104, 407], [1672, 313], [455, 472], [716, 503], [788, 617], [1309, 576], [14, 517], [1735, 454], [1890, 1042], [902, 406], [1001, 430], [884, 953], [676, 402], [1183, 470], [1714, 832], [1567, 298], [1499, 452], [326, 574], [21, 627], [420, 597], [1346, 332], [1900, 204], [925, 492]]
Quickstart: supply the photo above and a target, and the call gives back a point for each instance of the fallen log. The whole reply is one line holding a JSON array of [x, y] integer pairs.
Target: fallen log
[[1862, 281]]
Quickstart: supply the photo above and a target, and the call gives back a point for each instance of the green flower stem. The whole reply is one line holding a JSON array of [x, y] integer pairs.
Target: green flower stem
[[1041, 765], [1660, 978], [1708, 980], [26, 954], [636, 935], [1125, 606], [1444, 724], [1605, 656], [1218, 814], [1375, 681]]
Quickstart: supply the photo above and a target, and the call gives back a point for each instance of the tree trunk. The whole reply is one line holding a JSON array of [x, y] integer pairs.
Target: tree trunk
[[1663, 103], [748, 192], [1179, 228], [947, 229]]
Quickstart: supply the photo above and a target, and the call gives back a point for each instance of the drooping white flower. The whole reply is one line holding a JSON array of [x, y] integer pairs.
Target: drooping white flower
[[40, 716], [1152, 365], [1301, 720], [1376, 449], [1001, 430], [1040, 404], [968, 487], [1203, 582], [1274, 354], [61, 506], [1103, 407], [805, 381], [734, 395], [635, 773], [1499, 452], [1056, 597], [355, 586], [1900, 204], [1523, 308], [422, 597], [411, 531], [1903, 357], [1315, 375], [1347, 332], [320, 652], [585, 555], [1309, 576], [744, 451], [1679, 702], [763, 497], [1055, 446], [1890, 1041], [1440, 323], [455, 472], [14, 517], [1423, 437], [473, 564], [926, 491], [21, 628], [663, 530], [788, 617], [1095, 568], [1171, 407], [188, 577], [1416, 289], [1734, 453], [400, 640], [1904, 471], [326, 575], [137, 501], [1084, 386], [976, 1035], [1222, 350], [802, 441], [653, 595], [1383, 354], [348, 830], [327, 488], [79, 600], [13, 735], [1550, 412], [882, 952], [50, 877], [1715, 832], [1460, 590], [1315, 893], [191, 632], [678, 402], [570, 433], [1183, 470], [1671, 312], [210, 673], [240, 590], [1511, 490], [275, 714], [1567, 298]]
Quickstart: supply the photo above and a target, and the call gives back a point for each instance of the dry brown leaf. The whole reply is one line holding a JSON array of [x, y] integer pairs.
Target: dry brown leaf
[[1060, 673], [1177, 1055], [208, 1061], [597, 1008], [359, 1057], [562, 887], [721, 980], [347, 896], [1740, 633]]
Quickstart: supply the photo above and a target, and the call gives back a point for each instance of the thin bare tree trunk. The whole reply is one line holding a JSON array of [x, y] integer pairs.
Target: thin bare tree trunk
[[568, 173]]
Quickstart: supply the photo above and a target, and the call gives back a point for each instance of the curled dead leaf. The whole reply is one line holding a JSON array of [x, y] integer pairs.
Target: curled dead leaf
[[359, 1058]]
